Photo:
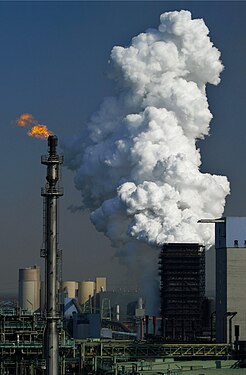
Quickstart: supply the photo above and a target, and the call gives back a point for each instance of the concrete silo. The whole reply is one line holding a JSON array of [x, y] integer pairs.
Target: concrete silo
[[85, 291], [29, 288], [100, 285], [69, 289]]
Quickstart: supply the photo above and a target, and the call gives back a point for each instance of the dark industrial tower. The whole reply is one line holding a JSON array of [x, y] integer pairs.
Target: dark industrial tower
[[51, 192], [182, 271]]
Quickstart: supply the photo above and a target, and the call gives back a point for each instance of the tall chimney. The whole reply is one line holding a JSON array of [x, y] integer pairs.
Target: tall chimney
[[51, 192]]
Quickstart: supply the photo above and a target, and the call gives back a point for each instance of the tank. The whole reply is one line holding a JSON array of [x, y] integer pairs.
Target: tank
[[69, 288], [85, 290], [29, 288], [101, 284]]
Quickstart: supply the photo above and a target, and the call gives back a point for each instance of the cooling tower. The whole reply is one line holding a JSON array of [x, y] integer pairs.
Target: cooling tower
[[29, 288], [85, 290], [69, 288]]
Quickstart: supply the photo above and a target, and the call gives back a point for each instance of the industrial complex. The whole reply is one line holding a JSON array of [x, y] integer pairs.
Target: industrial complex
[[80, 327]]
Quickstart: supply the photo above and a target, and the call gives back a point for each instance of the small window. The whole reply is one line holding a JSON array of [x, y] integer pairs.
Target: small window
[[235, 243]]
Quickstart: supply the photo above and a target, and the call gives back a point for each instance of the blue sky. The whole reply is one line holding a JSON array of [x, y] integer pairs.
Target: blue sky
[[54, 64]]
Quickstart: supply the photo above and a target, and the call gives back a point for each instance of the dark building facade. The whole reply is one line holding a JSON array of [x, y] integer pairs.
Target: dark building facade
[[182, 291]]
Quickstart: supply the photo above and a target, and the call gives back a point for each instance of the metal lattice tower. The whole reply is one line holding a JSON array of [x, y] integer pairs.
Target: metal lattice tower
[[182, 271]]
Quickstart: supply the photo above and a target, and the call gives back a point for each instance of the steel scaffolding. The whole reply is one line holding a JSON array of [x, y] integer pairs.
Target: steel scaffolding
[[182, 272]]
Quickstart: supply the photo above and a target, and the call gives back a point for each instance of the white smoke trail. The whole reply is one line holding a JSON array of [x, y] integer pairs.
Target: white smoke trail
[[136, 163]]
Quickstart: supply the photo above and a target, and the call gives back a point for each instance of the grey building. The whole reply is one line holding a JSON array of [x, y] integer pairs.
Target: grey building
[[230, 243]]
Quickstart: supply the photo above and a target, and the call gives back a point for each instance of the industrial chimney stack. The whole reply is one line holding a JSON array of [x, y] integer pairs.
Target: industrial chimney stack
[[51, 192]]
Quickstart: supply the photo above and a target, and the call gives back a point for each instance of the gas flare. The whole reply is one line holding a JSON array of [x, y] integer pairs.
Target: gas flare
[[40, 131], [25, 120]]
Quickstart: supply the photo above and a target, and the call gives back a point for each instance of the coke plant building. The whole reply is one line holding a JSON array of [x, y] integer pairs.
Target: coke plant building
[[182, 275]]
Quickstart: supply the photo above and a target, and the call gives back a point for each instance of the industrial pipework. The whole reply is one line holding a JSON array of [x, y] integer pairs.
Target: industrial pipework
[[51, 192]]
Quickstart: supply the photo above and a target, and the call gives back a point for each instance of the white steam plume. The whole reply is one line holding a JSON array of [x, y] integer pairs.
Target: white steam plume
[[136, 163]]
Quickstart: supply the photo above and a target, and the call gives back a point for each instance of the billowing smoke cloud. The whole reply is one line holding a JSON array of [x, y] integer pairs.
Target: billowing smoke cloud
[[136, 162]]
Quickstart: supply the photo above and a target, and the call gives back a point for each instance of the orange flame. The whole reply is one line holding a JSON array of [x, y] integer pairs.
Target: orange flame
[[39, 131], [26, 120]]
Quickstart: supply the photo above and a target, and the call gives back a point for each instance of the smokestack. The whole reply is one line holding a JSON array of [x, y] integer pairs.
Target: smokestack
[[51, 192], [52, 143]]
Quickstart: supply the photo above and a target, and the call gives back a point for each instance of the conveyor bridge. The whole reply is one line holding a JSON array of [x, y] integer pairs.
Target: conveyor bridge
[[138, 350]]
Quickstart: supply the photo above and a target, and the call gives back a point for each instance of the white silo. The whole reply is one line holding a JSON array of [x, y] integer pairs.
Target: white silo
[[101, 284], [69, 288], [85, 291], [29, 288]]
